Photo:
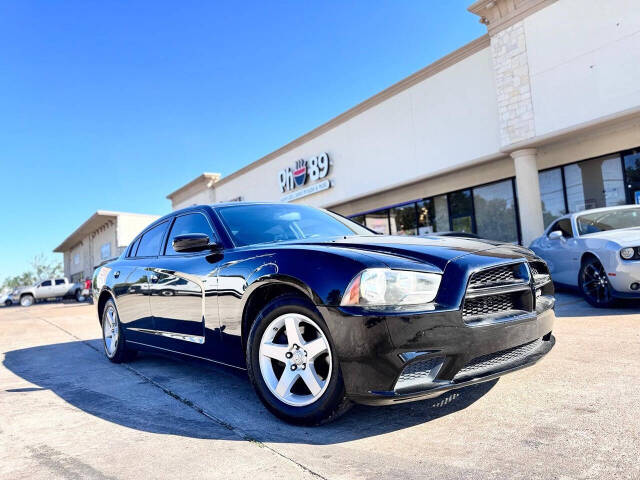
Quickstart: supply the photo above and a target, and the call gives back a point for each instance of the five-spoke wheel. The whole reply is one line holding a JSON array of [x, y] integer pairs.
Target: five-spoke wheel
[[115, 347], [295, 360], [292, 363], [594, 283]]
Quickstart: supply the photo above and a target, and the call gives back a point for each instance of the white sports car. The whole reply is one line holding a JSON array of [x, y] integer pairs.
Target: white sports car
[[597, 251]]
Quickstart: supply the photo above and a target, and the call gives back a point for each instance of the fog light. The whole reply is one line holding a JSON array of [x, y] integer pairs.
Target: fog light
[[635, 286]]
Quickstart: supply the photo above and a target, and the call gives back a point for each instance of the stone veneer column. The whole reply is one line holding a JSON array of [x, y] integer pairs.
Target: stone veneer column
[[513, 88], [529, 203]]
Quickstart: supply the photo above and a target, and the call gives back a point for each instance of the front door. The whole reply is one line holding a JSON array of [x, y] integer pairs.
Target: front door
[[45, 289], [183, 289]]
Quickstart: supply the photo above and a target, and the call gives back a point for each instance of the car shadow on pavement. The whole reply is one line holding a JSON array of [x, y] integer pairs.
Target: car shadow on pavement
[[168, 396]]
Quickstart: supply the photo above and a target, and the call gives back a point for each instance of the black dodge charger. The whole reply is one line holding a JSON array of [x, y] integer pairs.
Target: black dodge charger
[[321, 311]]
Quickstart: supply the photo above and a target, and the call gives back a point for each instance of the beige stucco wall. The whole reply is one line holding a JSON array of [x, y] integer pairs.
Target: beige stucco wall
[[447, 119], [584, 61], [198, 194], [128, 226], [594, 143]]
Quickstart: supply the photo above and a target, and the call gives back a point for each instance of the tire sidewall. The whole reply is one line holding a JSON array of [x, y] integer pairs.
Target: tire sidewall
[[119, 354], [315, 412], [587, 297], [30, 303]]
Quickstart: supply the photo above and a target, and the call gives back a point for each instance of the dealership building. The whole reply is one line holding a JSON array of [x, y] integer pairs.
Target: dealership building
[[539, 117], [102, 236]]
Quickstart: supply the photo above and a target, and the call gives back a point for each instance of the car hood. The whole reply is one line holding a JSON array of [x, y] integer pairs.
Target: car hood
[[626, 237], [437, 251]]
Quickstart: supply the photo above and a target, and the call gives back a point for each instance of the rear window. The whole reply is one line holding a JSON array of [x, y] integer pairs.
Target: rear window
[[59, 281], [151, 241]]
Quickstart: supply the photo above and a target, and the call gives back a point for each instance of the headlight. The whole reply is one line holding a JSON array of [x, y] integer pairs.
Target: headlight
[[383, 286], [627, 253]]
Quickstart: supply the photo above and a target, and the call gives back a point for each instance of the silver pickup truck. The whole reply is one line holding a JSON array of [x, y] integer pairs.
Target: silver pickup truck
[[53, 288]]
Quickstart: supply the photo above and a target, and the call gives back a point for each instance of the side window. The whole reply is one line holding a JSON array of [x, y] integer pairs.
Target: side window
[[564, 225], [150, 241], [59, 281], [134, 247], [46, 283], [190, 223]]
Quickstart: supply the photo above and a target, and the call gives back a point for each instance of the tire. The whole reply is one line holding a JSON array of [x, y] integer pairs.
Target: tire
[[79, 296], [299, 404], [594, 284], [27, 300], [8, 303], [113, 339]]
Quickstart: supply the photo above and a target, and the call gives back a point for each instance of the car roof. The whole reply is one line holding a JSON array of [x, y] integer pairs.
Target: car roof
[[596, 210]]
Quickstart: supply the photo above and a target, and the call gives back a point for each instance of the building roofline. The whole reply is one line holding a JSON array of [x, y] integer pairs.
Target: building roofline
[[214, 177], [93, 222], [439, 65]]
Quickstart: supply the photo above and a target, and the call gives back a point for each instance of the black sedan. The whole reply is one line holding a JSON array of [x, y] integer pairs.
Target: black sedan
[[321, 311]]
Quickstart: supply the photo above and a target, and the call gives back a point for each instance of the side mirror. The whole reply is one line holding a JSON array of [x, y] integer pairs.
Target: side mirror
[[556, 235], [194, 242]]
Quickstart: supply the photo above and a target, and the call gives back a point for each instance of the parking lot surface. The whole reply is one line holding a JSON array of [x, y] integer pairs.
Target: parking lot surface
[[66, 412]]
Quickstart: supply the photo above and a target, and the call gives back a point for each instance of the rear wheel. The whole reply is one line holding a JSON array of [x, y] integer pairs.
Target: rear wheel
[[292, 363], [26, 300], [79, 296], [594, 284], [113, 335]]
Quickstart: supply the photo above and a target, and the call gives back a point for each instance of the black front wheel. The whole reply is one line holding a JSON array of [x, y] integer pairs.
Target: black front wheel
[[292, 363], [594, 284]]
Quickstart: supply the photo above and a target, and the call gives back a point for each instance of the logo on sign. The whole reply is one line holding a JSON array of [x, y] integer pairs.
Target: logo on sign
[[314, 169], [300, 173]]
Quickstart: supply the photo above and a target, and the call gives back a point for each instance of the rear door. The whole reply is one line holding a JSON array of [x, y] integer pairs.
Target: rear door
[[183, 287], [60, 287], [132, 285]]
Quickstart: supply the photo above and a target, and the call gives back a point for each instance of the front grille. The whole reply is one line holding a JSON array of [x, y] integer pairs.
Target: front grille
[[539, 272], [498, 360], [488, 305], [502, 275], [498, 292], [417, 373]]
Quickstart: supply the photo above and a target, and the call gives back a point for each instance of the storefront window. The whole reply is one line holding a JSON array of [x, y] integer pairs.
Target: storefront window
[[594, 183], [378, 221], [426, 212], [551, 195], [495, 212], [632, 171], [441, 216], [461, 211], [403, 220]]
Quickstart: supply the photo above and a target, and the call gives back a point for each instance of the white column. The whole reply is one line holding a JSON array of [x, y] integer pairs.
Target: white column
[[531, 222]]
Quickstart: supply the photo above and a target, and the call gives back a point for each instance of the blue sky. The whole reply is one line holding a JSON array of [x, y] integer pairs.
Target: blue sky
[[112, 105]]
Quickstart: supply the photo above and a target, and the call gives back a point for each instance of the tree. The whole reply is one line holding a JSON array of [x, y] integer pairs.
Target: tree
[[41, 268]]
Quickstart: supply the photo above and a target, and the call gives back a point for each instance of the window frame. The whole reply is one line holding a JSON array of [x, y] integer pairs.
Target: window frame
[[172, 220], [142, 234]]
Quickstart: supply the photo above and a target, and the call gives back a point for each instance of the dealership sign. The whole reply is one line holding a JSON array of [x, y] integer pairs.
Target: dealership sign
[[293, 180]]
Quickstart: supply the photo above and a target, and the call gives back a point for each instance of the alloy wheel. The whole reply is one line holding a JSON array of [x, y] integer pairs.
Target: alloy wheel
[[595, 283], [110, 331], [295, 359]]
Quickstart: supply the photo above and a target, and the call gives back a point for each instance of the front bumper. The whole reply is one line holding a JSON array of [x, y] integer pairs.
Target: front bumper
[[374, 351]]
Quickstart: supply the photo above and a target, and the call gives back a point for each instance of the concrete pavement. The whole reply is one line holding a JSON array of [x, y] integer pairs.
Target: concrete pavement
[[66, 412]]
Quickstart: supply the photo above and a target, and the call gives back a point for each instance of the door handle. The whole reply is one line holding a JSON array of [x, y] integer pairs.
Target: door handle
[[153, 278], [116, 274]]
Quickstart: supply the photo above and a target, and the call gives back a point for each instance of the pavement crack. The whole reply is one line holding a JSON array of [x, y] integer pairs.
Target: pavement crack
[[239, 432]]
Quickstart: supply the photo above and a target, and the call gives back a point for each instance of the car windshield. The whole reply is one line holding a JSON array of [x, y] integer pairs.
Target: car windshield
[[608, 220], [251, 224]]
